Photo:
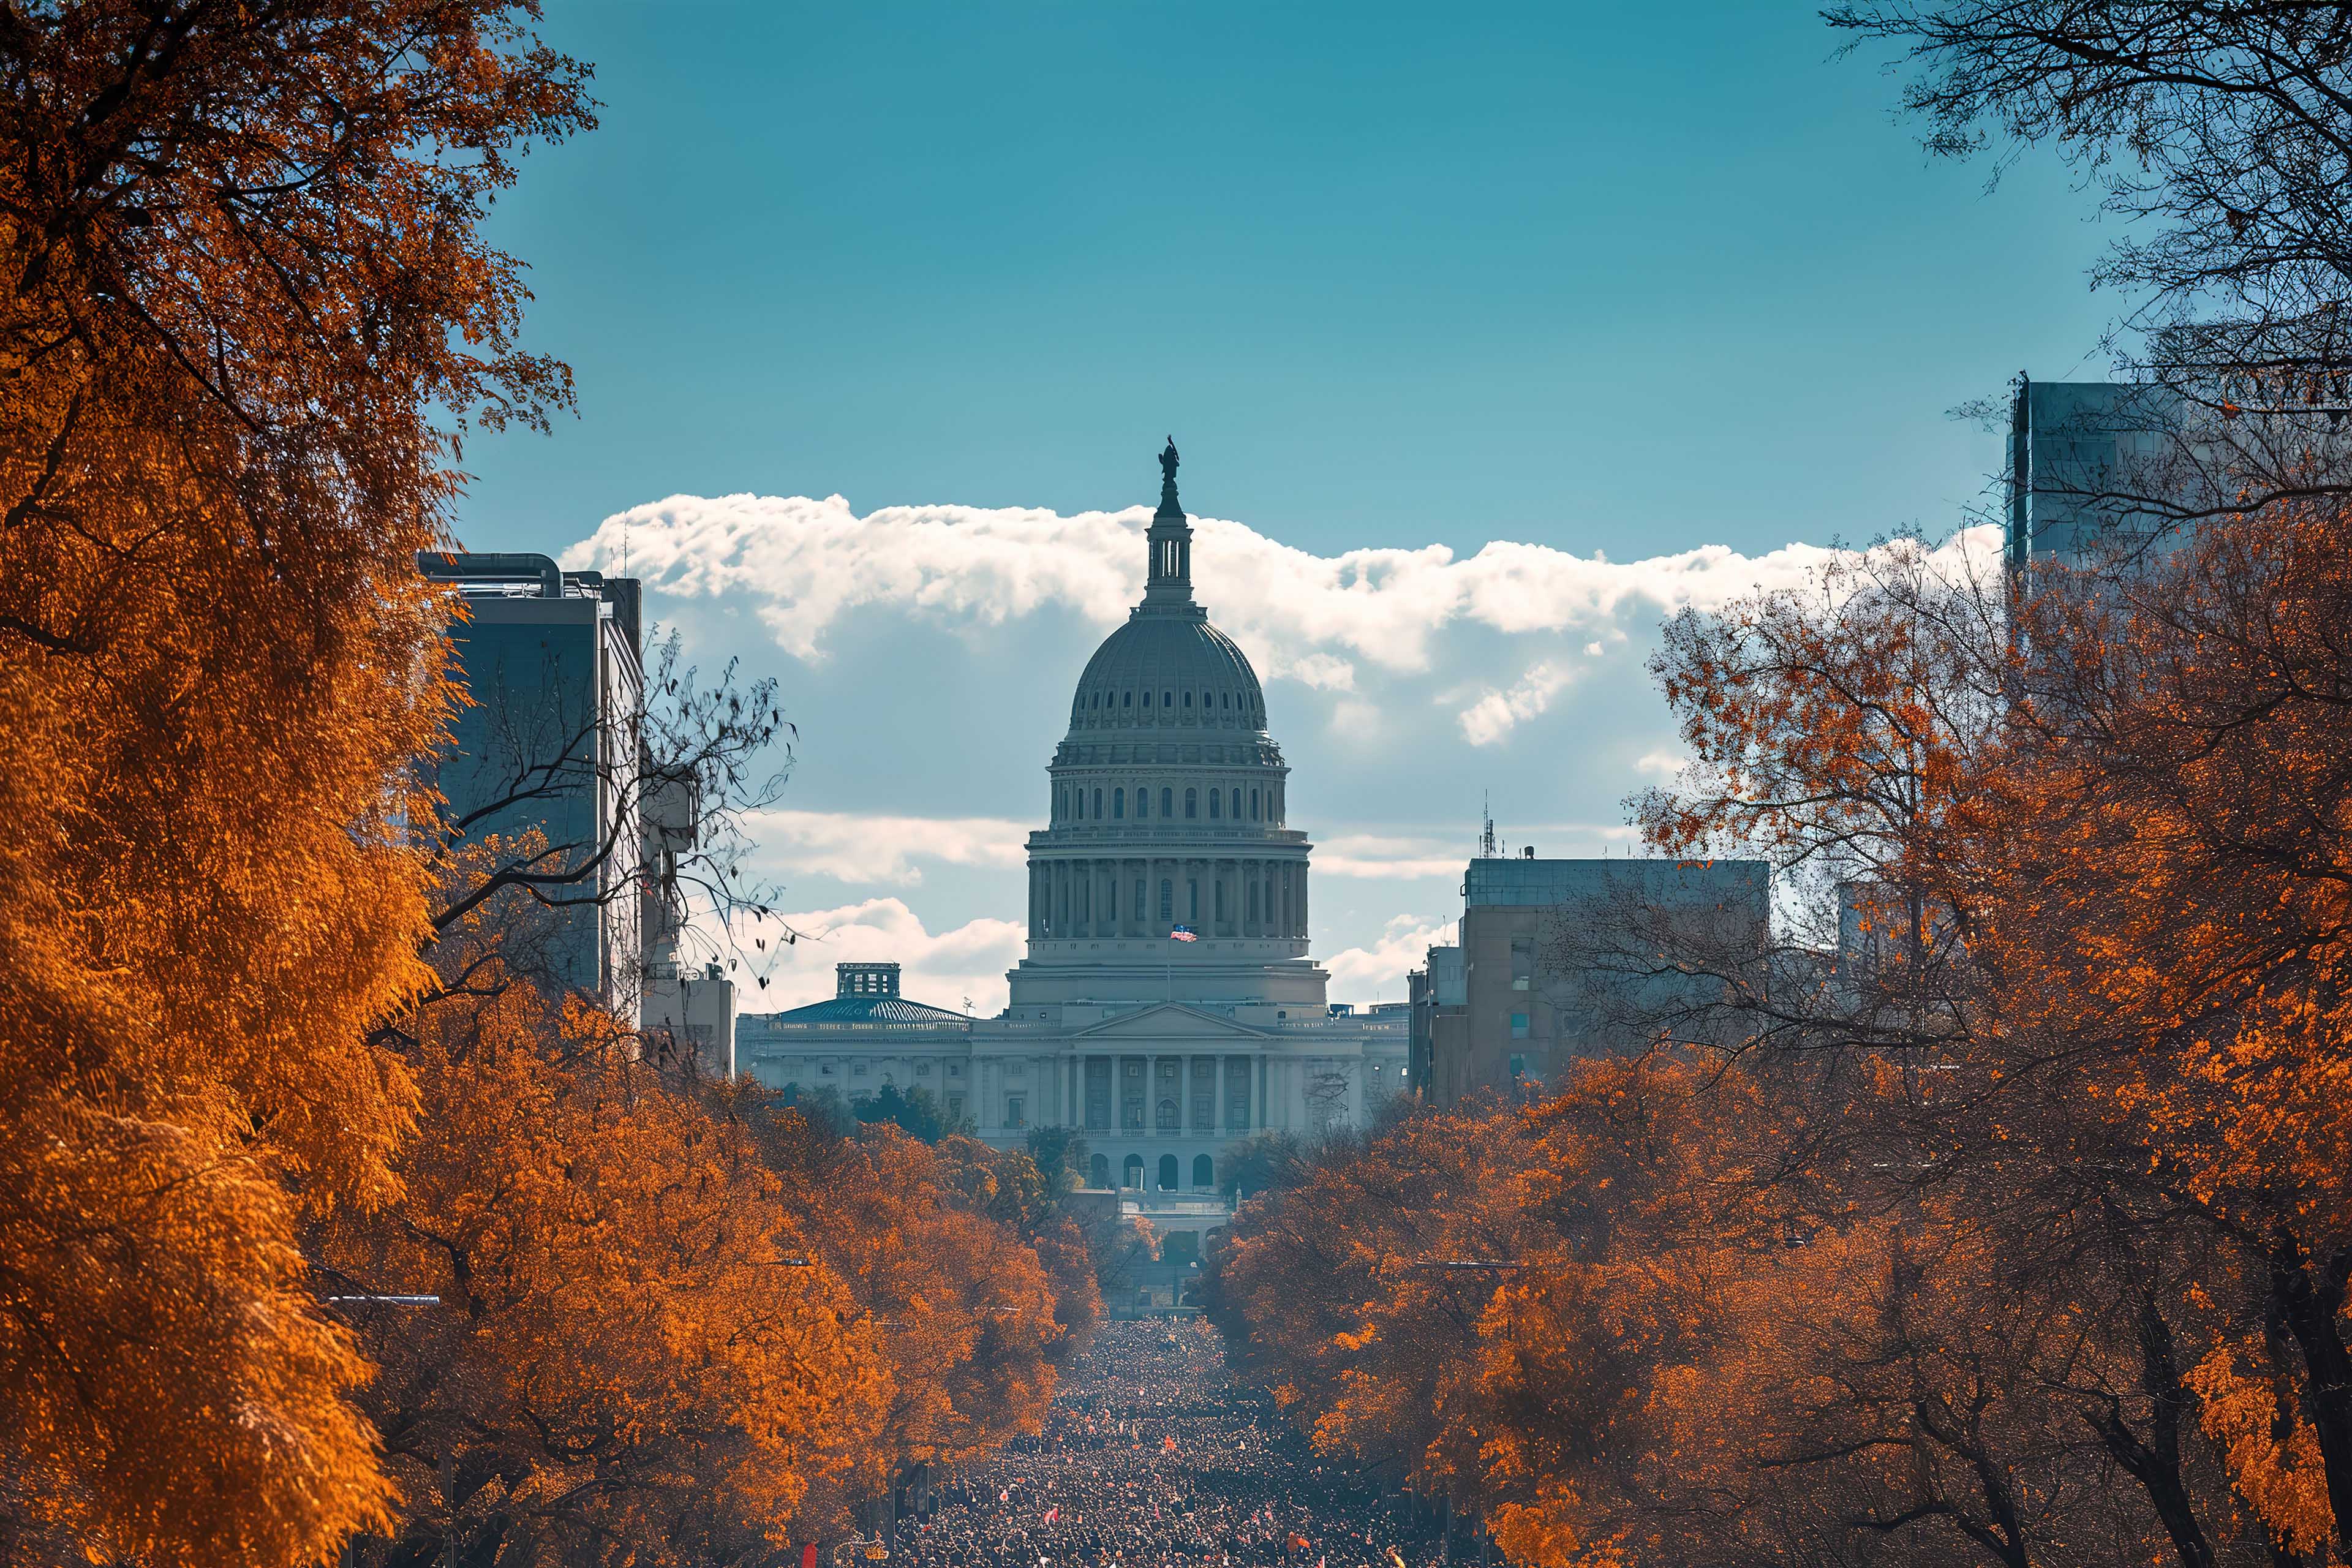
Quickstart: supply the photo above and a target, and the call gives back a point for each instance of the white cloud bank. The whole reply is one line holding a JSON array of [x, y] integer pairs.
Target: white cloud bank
[[856, 847], [1320, 620], [1377, 972]]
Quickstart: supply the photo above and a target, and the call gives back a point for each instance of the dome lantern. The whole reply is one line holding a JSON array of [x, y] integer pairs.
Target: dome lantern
[[1169, 580]]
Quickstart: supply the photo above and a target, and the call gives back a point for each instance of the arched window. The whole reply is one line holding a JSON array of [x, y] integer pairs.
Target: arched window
[[1096, 700], [1143, 801], [1097, 806], [1098, 1170], [1188, 700], [1237, 806], [1205, 701], [1118, 804], [1253, 817], [1167, 802], [1192, 803], [1216, 804], [1131, 1174], [1167, 899], [1168, 699], [1127, 700], [1225, 700], [1167, 1170], [1146, 700], [1204, 1171]]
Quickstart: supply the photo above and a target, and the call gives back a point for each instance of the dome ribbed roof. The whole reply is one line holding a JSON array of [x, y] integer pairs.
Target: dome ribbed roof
[[1167, 669]]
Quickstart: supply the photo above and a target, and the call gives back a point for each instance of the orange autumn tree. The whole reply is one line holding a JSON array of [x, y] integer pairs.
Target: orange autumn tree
[[964, 1311], [2002, 1225], [2183, 906], [634, 1358], [245, 271], [1355, 1294]]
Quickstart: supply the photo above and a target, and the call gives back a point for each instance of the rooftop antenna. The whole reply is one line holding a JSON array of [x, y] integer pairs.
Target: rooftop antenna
[[1487, 838]]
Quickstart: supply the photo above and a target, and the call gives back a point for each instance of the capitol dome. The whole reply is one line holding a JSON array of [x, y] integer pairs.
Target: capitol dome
[[1167, 819]]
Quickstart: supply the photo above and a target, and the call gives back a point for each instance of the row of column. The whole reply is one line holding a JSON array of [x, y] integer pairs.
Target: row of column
[[1144, 896], [1056, 1092], [1225, 1074]]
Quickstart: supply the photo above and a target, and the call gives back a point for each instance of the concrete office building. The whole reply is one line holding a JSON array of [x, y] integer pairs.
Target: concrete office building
[[1532, 996], [552, 662], [1438, 1000], [1168, 1003]]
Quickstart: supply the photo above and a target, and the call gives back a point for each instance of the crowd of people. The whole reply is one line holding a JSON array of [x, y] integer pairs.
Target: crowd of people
[[1154, 1455]]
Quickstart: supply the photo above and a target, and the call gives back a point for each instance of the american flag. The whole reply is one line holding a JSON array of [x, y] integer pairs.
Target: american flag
[[1183, 934]]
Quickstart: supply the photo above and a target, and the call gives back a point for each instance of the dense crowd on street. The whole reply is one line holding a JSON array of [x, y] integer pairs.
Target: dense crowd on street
[[1154, 1455]]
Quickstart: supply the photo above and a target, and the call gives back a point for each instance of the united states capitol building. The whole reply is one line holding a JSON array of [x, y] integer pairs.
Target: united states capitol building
[[1167, 1005]]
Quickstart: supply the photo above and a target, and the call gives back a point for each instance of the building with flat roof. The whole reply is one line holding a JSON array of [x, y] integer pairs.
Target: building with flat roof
[[550, 744], [1540, 982]]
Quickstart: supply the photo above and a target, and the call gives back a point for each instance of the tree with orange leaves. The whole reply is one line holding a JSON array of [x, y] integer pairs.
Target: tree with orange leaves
[[633, 1357], [244, 272], [964, 1313]]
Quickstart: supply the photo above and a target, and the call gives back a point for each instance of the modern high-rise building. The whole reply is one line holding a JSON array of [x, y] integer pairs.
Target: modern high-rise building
[[550, 744], [2092, 465]]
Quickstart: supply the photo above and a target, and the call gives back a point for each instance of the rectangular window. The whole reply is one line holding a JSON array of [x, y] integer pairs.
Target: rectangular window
[[1013, 1106], [1193, 887], [1523, 962], [1098, 1094], [1237, 1094], [1519, 1025]]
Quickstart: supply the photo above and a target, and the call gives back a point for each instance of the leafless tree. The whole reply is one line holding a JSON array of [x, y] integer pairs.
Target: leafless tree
[[2223, 134]]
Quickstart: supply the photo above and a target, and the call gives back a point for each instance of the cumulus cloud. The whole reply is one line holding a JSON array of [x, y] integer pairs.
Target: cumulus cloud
[[1662, 765], [1377, 972], [1496, 713], [804, 564], [856, 847], [941, 968]]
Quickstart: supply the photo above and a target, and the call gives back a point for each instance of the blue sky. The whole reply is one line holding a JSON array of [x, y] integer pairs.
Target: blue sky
[[1572, 278]]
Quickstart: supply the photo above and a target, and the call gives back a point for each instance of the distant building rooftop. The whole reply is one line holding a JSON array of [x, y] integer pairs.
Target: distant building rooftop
[[866, 993], [1524, 881]]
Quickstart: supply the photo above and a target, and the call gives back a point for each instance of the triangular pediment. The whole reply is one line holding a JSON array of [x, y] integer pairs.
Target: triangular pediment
[[1171, 1021]]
